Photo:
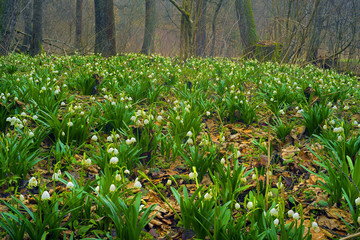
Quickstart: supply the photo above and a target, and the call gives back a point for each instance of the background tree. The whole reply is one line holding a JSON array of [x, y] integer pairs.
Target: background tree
[[246, 23], [200, 41], [150, 23], [36, 37], [105, 28], [9, 12], [78, 24], [27, 17]]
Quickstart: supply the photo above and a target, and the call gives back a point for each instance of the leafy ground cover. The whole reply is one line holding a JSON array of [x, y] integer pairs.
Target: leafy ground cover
[[137, 147]]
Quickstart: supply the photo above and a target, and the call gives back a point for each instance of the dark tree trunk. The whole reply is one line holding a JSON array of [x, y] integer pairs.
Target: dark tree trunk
[[247, 27], [26, 14], [150, 23], [9, 12], [36, 39], [213, 27], [200, 28], [105, 28], [78, 24]]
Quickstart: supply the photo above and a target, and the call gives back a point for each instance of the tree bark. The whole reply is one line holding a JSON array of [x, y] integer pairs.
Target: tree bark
[[200, 42], [78, 24], [150, 23], [213, 27], [105, 28], [36, 39], [9, 12], [247, 26], [26, 15]]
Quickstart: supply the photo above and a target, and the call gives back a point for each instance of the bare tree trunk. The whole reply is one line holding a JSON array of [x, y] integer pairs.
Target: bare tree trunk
[[213, 39], [9, 12], [150, 23], [36, 39], [78, 24], [26, 15], [200, 41], [105, 28], [247, 27]]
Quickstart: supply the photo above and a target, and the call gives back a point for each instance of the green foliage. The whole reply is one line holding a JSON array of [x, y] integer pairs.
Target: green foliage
[[314, 117]]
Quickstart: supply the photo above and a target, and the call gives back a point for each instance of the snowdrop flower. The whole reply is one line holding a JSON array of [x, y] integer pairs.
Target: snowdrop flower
[[315, 226], [133, 118], [346, 107], [21, 198], [254, 177], [274, 212], [23, 114], [237, 206], [110, 150], [109, 139], [45, 196], [127, 171], [222, 161], [207, 196], [63, 133], [355, 123], [340, 138], [33, 182], [133, 140], [128, 141], [94, 138], [87, 162], [208, 113], [250, 205], [137, 184], [70, 124], [276, 222], [31, 134], [296, 216], [97, 189], [70, 185], [279, 185], [270, 194], [332, 122], [192, 175], [141, 207], [338, 130], [118, 177], [114, 160], [290, 213], [169, 182], [189, 134], [324, 127], [56, 175], [159, 118], [35, 117], [357, 201], [146, 122], [112, 188], [190, 141], [237, 154], [243, 180]]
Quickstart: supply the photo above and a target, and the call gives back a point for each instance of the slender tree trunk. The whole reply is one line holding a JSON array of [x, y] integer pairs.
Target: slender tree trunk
[[150, 23], [78, 24], [36, 39], [105, 28], [200, 41], [26, 15], [247, 26], [213, 27], [9, 12]]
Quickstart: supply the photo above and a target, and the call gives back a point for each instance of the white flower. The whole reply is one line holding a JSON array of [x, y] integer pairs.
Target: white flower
[[87, 162], [222, 160], [133, 118], [31, 134], [279, 185], [250, 205], [237, 206], [114, 160], [192, 175], [315, 226], [338, 130], [127, 171], [243, 180], [45, 196], [55, 176], [109, 139], [190, 141], [35, 117], [208, 113], [118, 177], [207, 196], [70, 185], [116, 152], [274, 212], [141, 207], [63, 133], [159, 118], [254, 176], [133, 140], [94, 138], [357, 201], [23, 114], [21, 198], [110, 150], [346, 107], [296, 216], [189, 134], [324, 127], [169, 182], [340, 138], [270, 194], [355, 123], [332, 122], [70, 124], [97, 189], [137, 184], [112, 188], [290, 213], [33, 182], [146, 122], [237, 154], [282, 112], [276, 222]]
